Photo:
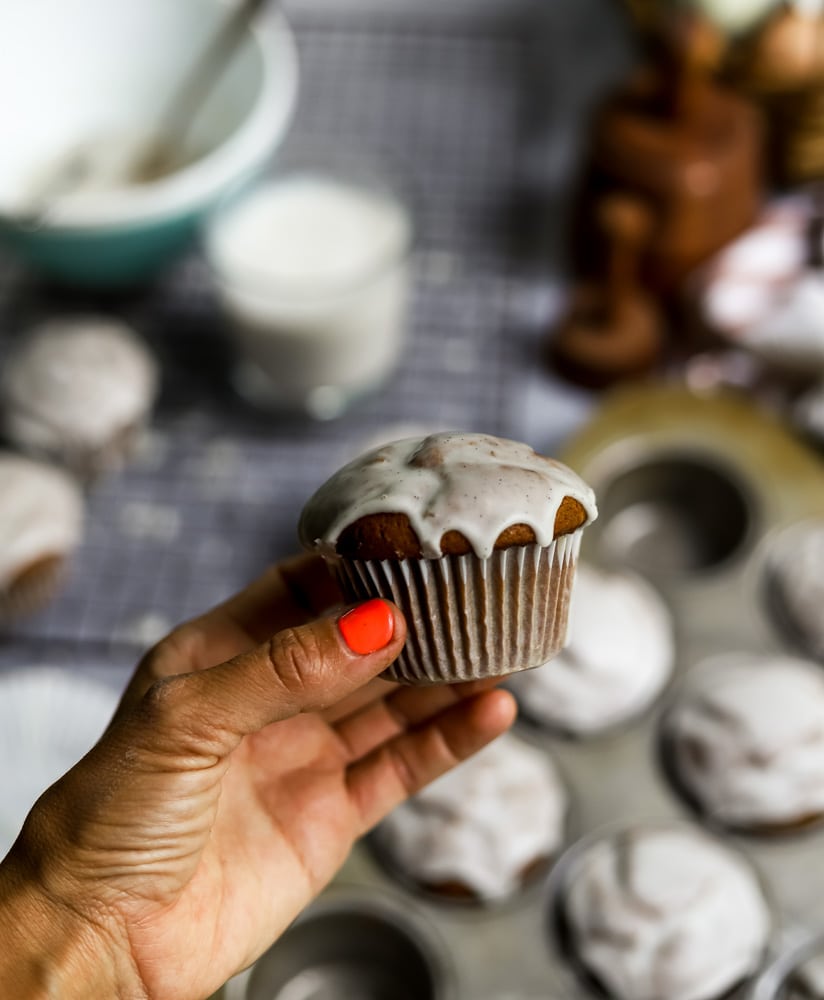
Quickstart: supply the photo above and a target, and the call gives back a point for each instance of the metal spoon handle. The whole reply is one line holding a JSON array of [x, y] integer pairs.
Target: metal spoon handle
[[208, 67]]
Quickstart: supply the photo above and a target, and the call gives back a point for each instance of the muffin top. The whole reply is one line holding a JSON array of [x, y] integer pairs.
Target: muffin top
[[747, 741], [657, 912], [797, 576], [483, 823], [76, 381], [41, 514], [447, 493], [619, 655]]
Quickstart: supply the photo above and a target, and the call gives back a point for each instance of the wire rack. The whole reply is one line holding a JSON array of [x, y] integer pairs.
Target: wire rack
[[215, 490]]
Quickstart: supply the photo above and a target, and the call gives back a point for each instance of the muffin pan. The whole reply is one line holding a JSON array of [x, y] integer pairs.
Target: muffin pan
[[693, 493]]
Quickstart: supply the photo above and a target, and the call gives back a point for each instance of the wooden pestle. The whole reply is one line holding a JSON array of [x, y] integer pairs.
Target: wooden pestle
[[627, 225], [613, 330]]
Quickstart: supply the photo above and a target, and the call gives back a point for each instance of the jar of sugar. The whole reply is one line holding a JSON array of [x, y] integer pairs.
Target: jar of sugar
[[313, 269]]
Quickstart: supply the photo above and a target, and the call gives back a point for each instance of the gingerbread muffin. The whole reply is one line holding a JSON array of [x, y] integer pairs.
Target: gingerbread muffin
[[41, 523], [660, 912], [78, 391], [483, 831], [474, 537], [745, 742]]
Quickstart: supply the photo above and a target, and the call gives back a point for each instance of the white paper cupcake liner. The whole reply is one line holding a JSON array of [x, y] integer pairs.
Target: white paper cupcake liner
[[470, 618]]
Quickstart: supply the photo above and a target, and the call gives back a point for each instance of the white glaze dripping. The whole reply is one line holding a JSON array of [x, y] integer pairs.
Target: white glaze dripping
[[472, 483]]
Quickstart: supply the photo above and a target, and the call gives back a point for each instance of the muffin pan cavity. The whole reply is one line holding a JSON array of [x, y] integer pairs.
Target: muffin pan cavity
[[674, 514], [351, 948]]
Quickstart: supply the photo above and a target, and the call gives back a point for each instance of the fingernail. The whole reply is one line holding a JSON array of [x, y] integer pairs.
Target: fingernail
[[369, 627]]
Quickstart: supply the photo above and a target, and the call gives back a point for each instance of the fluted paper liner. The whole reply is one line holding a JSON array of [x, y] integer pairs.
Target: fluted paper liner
[[470, 618]]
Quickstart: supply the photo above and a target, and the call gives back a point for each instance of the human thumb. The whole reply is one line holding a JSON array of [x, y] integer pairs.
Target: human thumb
[[301, 669]]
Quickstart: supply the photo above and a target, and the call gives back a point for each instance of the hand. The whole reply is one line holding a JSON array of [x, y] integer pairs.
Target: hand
[[228, 790]]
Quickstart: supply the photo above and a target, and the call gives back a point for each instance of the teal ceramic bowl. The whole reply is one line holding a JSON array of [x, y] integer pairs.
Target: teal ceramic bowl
[[100, 72]]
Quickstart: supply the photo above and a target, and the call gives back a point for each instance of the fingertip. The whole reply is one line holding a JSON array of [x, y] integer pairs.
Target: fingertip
[[495, 711]]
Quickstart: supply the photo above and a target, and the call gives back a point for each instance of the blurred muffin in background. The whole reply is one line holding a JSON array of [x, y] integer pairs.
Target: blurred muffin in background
[[764, 293], [654, 912], [482, 830], [745, 742], [79, 391], [41, 523], [619, 656]]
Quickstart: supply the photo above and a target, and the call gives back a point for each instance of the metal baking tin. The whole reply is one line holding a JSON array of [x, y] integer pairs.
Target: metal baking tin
[[694, 491]]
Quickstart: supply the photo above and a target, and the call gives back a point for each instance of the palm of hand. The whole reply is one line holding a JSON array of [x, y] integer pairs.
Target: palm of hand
[[279, 824], [192, 845]]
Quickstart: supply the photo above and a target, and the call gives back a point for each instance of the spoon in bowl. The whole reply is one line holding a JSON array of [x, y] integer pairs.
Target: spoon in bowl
[[104, 163]]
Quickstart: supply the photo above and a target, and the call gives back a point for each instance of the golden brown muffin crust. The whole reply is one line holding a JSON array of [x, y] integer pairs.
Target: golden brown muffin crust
[[379, 536], [42, 567], [391, 536]]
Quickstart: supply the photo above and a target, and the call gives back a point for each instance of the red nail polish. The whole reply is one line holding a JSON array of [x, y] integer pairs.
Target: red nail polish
[[369, 627]]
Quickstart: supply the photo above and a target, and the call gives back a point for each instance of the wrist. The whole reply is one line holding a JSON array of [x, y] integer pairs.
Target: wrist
[[52, 953]]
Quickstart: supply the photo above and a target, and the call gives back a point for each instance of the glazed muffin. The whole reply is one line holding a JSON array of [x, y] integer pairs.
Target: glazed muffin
[[619, 656], [41, 523], [796, 585], [760, 293], [745, 742], [662, 913], [482, 830], [474, 537], [78, 391]]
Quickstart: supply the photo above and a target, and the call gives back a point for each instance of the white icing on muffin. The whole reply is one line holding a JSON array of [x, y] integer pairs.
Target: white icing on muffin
[[74, 385], [41, 515], [483, 823], [797, 581], [472, 483], [792, 330], [664, 914], [747, 741], [619, 655], [761, 294]]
